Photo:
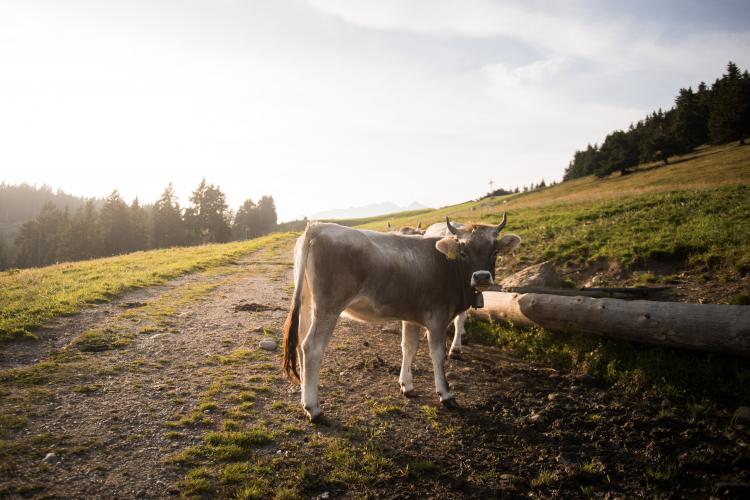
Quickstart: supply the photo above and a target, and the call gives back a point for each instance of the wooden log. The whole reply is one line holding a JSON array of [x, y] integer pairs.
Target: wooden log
[[597, 293], [704, 327]]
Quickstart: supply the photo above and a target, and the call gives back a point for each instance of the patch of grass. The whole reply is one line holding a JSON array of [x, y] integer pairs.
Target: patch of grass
[[196, 482], [65, 366], [207, 406], [235, 445], [31, 297], [740, 299], [173, 435], [11, 422], [291, 429], [86, 388], [104, 339], [419, 467], [545, 478], [672, 373], [286, 493], [235, 473], [353, 464], [236, 356], [386, 409]]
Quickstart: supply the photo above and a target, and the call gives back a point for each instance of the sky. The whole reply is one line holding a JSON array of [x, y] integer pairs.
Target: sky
[[337, 103]]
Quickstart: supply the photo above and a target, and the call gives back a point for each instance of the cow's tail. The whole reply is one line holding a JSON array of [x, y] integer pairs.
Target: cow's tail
[[290, 361]]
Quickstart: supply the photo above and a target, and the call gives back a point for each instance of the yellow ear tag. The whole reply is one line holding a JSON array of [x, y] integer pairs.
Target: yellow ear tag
[[451, 255]]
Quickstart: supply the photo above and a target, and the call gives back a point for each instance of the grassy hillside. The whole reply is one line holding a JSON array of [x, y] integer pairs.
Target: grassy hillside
[[691, 217], [693, 212], [30, 297]]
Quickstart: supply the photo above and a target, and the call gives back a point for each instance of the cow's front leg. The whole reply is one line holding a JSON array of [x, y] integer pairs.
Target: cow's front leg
[[460, 330], [409, 344], [312, 356], [436, 340]]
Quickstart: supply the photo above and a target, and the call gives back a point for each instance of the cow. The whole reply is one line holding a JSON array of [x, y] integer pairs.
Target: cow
[[374, 276], [408, 230], [440, 230]]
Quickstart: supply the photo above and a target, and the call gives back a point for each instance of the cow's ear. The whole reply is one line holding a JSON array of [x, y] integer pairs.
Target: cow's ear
[[448, 247], [508, 243]]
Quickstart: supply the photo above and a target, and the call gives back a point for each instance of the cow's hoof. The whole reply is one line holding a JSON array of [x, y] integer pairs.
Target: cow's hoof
[[454, 354], [315, 415], [450, 403], [409, 394]]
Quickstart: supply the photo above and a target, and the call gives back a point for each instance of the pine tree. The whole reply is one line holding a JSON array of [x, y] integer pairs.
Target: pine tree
[[38, 241], [208, 216], [4, 256], [690, 120], [246, 221], [82, 240], [618, 153], [138, 227], [729, 118], [167, 228], [267, 214], [116, 226]]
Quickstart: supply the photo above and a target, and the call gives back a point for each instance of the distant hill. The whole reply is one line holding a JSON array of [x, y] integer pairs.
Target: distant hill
[[370, 210]]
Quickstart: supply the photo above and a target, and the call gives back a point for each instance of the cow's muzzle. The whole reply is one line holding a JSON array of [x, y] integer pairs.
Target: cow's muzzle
[[481, 280]]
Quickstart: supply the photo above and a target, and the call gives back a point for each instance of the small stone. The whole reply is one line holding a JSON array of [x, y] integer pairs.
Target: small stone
[[267, 344], [258, 329], [552, 396], [49, 457], [741, 418], [510, 478]]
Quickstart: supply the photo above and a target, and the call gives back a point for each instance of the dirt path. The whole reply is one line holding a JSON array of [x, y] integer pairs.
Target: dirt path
[[168, 394]]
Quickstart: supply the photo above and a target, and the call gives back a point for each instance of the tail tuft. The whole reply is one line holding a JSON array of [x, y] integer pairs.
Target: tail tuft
[[291, 338]]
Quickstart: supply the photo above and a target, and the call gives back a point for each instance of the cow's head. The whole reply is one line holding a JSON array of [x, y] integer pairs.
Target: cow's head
[[476, 247], [411, 231]]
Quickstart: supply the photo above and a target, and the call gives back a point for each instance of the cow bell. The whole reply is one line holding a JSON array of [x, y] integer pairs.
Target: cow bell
[[478, 300]]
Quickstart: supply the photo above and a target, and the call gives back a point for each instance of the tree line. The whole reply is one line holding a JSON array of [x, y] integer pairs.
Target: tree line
[[718, 114], [99, 228]]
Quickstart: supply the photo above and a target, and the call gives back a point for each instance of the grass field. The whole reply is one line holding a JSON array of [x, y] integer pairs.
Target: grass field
[[30, 297], [695, 211], [692, 214]]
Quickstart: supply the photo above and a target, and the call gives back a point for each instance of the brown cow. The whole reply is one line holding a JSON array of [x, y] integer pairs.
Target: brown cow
[[373, 276]]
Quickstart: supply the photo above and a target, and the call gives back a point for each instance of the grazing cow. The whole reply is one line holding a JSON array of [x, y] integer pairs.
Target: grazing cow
[[372, 276], [408, 230]]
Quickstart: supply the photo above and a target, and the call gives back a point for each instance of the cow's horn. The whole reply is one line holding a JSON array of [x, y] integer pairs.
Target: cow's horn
[[502, 223], [450, 226]]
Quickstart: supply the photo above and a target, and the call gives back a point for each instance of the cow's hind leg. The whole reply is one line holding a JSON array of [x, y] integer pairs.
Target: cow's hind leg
[[313, 347], [436, 340], [460, 330], [409, 344]]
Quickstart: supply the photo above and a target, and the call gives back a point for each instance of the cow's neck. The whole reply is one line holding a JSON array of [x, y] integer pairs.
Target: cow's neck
[[462, 275]]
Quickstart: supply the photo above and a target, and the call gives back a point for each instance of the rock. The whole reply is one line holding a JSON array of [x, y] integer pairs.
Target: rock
[[322, 496], [541, 275], [258, 329], [49, 457], [552, 396], [741, 418], [510, 478], [267, 344]]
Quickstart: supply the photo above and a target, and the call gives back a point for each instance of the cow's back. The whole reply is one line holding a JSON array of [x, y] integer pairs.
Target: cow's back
[[383, 275]]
